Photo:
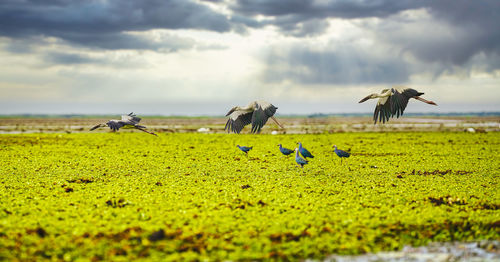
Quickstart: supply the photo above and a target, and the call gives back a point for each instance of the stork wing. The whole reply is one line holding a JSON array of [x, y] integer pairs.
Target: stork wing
[[259, 119], [382, 110], [115, 125], [131, 118], [261, 114], [399, 99], [268, 108], [237, 120]]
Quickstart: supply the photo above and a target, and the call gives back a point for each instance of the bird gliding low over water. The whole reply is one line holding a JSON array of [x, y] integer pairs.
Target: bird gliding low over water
[[392, 102], [127, 121], [256, 113]]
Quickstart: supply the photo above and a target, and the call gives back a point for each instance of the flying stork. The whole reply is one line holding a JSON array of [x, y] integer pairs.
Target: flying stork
[[257, 113], [392, 102], [127, 121]]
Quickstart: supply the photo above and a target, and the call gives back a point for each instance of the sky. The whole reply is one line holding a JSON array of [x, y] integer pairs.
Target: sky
[[202, 57]]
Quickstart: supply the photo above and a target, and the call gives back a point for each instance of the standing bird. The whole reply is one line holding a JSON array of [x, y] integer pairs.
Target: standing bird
[[304, 151], [127, 121], [244, 148], [285, 151], [392, 102], [257, 113], [341, 153], [301, 161]]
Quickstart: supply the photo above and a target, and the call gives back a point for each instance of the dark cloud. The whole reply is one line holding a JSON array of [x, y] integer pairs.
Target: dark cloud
[[102, 23], [468, 29], [61, 58], [322, 9], [344, 66], [290, 15], [472, 25], [473, 29], [116, 41]]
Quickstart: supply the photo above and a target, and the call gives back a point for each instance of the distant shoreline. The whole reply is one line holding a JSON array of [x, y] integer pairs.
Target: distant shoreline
[[315, 115]]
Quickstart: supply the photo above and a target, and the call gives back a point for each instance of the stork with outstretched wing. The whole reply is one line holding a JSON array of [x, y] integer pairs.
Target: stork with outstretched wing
[[392, 102], [256, 113], [127, 121]]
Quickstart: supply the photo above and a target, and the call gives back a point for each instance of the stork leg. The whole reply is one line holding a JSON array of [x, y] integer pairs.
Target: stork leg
[[97, 126], [425, 101], [273, 118], [144, 130]]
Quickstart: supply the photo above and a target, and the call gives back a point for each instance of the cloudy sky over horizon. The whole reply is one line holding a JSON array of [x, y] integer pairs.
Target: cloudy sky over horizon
[[202, 57]]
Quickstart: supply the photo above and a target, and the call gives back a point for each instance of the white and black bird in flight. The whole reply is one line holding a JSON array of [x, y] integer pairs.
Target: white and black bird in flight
[[127, 121], [256, 113], [392, 102]]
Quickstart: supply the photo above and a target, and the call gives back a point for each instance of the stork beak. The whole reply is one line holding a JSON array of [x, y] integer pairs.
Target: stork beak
[[425, 101], [364, 99]]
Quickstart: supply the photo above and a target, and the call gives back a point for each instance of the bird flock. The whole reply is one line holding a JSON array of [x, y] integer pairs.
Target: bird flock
[[391, 103]]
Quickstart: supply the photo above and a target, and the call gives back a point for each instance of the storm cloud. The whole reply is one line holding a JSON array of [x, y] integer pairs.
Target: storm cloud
[[103, 24], [464, 28], [202, 50], [343, 66], [70, 59], [452, 33]]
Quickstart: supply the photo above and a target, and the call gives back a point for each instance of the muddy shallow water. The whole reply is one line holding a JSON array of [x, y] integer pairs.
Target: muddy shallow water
[[303, 125], [434, 252]]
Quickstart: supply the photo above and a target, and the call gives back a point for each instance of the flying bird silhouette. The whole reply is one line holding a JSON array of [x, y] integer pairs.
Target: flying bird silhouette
[[127, 121], [392, 102], [256, 113]]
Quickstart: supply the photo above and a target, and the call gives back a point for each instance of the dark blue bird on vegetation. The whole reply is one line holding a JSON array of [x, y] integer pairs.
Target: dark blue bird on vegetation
[[285, 151], [299, 159], [245, 148], [341, 153], [304, 151]]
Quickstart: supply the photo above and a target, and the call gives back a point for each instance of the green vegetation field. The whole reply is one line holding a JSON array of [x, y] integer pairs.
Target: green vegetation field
[[106, 196]]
